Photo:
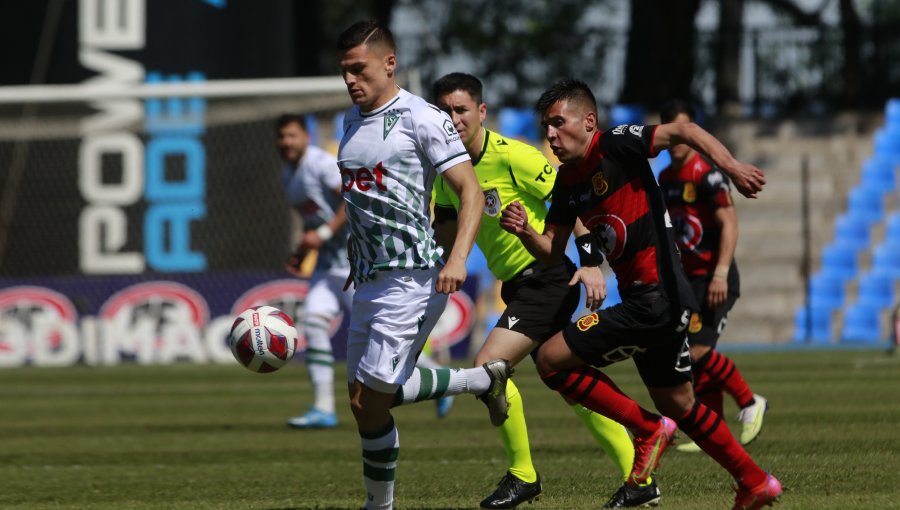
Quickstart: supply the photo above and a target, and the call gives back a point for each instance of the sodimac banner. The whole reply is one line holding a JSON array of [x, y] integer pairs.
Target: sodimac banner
[[64, 321]]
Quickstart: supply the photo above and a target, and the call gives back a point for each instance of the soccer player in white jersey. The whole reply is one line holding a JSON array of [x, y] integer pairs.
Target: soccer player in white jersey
[[313, 186], [394, 146]]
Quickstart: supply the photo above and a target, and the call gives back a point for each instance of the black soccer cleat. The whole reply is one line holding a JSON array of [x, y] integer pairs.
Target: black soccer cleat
[[495, 397], [511, 491], [630, 497]]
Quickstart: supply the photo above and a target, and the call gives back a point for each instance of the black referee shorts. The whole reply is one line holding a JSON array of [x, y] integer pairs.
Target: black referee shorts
[[641, 327], [539, 301]]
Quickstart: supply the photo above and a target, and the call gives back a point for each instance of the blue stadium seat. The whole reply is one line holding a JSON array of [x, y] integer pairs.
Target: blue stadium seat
[[819, 327], [852, 230], [660, 162], [892, 112], [626, 114], [866, 202], [338, 124], [876, 288], [839, 259], [886, 258], [519, 123], [892, 229], [880, 171], [861, 324], [826, 290], [887, 140]]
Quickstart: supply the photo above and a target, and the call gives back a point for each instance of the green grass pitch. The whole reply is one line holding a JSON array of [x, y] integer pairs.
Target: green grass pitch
[[214, 437]]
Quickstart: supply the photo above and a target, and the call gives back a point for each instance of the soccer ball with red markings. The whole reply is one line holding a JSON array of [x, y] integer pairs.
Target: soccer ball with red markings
[[263, 339]]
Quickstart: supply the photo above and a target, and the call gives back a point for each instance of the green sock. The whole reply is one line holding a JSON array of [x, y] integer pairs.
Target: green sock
[[514, 434], [611, 436]]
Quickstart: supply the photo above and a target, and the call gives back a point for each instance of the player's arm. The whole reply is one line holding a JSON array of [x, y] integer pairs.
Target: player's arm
[[589, 272], [548, 246], [748, 179], [461, 179], [314, 239], [726, 220]]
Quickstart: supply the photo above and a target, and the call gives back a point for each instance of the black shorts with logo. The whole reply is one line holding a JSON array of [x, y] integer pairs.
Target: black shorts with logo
[[707, 324], [641, 327], [539, 301]]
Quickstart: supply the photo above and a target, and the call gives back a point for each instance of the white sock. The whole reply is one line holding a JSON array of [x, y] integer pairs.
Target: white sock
[[320, 362], [428, 384], [379, 453]]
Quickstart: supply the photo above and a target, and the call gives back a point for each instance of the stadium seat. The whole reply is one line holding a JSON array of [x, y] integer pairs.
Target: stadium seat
[[892, 229], [879, 172], [876, 288], [626, 114], [826, 290], [338, 124], [886, 258], [892, 113], [887, 141], [660, 162], [839, 259], [866, 202], [819, 327], [861, 324], [519, 123], [852, 230]]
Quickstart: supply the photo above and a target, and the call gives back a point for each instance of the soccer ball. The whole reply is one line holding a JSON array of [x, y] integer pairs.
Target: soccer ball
[[263, 339]]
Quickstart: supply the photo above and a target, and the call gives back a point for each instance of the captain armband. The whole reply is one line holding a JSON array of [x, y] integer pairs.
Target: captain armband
[[588, 253]]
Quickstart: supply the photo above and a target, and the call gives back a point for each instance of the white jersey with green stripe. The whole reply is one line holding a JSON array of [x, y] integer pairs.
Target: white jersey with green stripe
[[389, 159]]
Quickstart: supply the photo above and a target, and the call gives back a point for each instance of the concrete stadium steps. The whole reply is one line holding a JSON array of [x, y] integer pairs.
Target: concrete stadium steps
[[770, 246]]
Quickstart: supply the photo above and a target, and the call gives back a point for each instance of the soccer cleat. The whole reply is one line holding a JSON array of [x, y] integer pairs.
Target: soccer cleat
[[631, 497], [758, 497], [443, 405], [511, 491], [689, 447], [314, 419], [649, 450], [752, 419], [495, 397]]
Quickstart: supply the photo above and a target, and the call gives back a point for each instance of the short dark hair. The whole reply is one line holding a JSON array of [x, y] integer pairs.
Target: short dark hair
[[568, 89], [671, 109], [369, 32], [457, 81], [290, 118]]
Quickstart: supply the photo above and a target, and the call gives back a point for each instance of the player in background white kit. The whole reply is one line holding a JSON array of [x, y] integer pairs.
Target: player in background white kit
[[394, 146], [312, 182]]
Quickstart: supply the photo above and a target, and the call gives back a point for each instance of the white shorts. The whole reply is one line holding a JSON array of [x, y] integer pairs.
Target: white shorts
[[326, 296], [392, 316]]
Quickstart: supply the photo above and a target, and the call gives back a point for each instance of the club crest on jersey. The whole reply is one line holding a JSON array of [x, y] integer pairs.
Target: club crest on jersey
[[600, 184], [450, 131], [690, 193], [492, 203], [696, 323], [390, 120], [588, 321]]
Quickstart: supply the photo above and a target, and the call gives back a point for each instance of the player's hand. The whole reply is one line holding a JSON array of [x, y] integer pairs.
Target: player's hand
[[748, 179], [451, 278], [594, 285], [514, 219], [311, 240], [716, 293]]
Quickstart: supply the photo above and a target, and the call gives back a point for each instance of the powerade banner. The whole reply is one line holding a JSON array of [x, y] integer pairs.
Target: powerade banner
[[63, 321]]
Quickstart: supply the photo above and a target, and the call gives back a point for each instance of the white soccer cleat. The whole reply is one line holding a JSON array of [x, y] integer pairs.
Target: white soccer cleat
[[752, 419]]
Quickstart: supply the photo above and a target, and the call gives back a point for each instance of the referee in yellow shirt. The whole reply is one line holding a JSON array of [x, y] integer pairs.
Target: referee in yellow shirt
[[540, 299]]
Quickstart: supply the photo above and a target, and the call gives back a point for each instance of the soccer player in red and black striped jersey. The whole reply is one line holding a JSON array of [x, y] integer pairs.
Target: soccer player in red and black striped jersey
[[606, 181], [698, 197]]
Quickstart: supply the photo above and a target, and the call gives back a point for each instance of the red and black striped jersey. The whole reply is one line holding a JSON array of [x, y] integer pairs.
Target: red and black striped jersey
[[614, 193], [693, 193]]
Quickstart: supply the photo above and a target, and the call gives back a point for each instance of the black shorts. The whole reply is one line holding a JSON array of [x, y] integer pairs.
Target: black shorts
[[707, 324], [641, 327], [539, 301]]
